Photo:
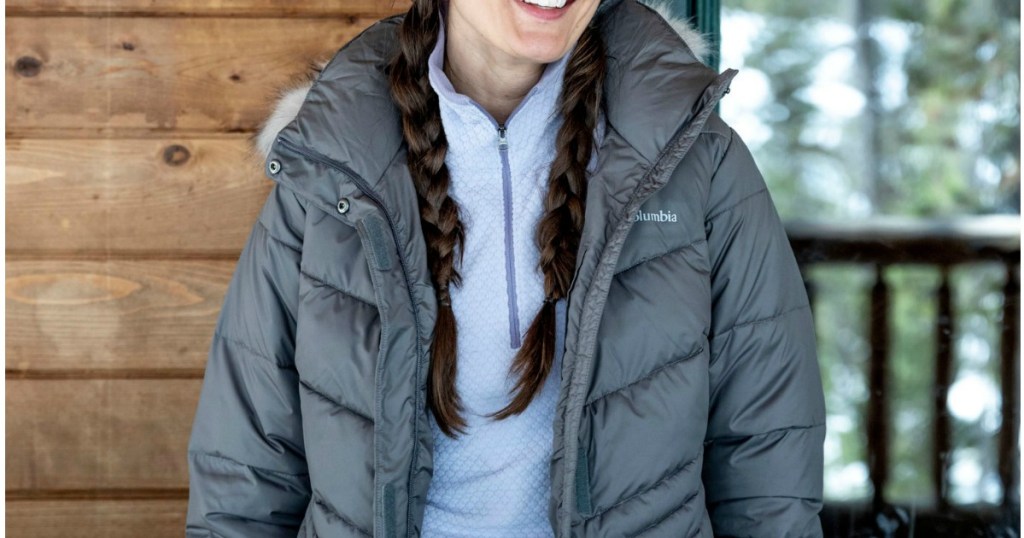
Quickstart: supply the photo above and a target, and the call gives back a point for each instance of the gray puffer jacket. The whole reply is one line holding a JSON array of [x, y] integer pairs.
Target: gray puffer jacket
[[691, 400]]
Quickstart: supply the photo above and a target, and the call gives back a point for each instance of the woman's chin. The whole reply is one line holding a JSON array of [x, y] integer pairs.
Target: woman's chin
[[542, 48]]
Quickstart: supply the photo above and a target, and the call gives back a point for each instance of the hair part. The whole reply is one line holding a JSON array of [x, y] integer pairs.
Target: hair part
[[557, 233]]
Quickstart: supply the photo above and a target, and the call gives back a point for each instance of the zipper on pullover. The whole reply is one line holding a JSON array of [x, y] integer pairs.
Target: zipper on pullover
[[510, 258]]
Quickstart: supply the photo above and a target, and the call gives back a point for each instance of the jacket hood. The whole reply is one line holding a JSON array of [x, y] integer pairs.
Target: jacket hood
[[288, 98]]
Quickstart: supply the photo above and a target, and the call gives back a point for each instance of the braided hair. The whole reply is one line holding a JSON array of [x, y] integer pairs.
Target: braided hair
[[558, 230]]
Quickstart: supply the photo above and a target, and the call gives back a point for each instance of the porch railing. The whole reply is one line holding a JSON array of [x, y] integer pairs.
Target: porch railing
[[881, 243]]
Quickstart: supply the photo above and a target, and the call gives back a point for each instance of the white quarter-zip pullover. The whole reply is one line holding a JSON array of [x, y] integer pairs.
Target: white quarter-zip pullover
[[494, 480]]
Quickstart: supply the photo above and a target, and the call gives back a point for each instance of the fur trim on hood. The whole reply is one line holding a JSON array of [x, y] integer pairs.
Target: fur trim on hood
[[289, 97]]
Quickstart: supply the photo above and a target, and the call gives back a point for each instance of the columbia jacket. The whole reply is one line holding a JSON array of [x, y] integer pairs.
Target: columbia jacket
[[690, 400]]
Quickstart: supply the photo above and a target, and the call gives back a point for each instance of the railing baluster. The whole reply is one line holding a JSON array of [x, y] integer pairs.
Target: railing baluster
[[878, 407], [942, 436], [1008, 432], [881, 242]]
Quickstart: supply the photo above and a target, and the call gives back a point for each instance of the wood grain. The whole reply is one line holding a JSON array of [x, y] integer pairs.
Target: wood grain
[[118, 76], [131, 189], [88, 519], [164, 196], [98, 433], [193, 8], [111, 317]]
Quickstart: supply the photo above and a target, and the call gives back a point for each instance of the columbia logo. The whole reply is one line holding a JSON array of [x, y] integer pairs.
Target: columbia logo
[[659, 216]]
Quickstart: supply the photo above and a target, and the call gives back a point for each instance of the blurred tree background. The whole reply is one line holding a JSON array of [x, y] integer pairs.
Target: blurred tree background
[[858, 109], [863, 108]]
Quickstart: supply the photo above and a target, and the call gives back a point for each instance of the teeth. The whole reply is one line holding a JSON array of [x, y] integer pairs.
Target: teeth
[[556, 4]]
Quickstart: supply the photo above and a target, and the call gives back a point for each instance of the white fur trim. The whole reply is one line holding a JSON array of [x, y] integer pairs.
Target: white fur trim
[[289, 100], [691, 36]]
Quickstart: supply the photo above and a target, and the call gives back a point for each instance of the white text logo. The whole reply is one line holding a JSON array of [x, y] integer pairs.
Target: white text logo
[[659, 216]]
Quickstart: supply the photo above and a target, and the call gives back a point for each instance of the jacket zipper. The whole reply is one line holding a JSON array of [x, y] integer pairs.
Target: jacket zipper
[[386, 497], [510, 257], [680, 144]]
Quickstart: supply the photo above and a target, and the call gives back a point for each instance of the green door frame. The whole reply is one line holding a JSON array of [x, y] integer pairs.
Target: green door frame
[[708, 15]]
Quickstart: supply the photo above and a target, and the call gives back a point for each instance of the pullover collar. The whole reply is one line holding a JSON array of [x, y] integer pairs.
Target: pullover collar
[[536, 113]]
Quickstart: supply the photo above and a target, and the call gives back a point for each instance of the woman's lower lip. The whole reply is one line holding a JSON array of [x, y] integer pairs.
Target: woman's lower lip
[[544, 13]]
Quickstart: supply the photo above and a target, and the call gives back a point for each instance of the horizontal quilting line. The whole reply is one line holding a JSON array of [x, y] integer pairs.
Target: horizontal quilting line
[[334, 287], [672, 250], [330, 400], [249, 349], [672, 473], [647, 376], [762, 434], [325, 506], [759, 321], [242, 464], [668, 515]]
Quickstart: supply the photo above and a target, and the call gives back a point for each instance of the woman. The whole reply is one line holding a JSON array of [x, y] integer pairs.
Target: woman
[[514, 278]]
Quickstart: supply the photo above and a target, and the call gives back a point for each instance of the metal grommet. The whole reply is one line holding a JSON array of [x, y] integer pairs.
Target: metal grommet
[[274, 166], [343, 206]]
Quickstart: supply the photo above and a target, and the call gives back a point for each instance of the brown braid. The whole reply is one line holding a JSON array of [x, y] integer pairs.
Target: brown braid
[[439, 214], [558, 232]]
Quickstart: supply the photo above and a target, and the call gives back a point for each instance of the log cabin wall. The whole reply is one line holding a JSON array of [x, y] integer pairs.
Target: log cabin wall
[[131, 188]]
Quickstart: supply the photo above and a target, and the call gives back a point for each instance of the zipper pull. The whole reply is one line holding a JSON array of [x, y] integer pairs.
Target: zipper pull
[[502, 139]]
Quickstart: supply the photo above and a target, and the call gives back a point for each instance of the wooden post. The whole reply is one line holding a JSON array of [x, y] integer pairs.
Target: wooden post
[[942, 433], [1010, 361], [878, 407]]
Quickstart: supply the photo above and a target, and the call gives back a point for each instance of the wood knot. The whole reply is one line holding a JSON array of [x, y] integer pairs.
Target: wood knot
[[176, 155], [28, 66]]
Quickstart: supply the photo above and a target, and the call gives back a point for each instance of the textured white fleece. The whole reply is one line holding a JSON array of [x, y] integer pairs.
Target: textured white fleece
[[494, 480]]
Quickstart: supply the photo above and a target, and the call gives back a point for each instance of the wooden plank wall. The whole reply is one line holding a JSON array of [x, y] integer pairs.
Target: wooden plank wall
[[131, 188]]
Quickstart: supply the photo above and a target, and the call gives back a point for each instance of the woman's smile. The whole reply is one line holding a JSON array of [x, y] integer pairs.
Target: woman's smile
[[545, 9]]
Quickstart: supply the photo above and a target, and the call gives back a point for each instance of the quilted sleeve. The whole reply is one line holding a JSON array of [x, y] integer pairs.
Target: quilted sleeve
[[246, 458], [763, 462]]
